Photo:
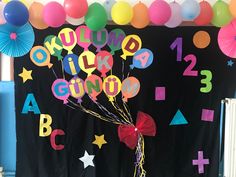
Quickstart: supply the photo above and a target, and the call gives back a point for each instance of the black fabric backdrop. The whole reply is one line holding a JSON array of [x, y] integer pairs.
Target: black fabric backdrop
[[169, 153]]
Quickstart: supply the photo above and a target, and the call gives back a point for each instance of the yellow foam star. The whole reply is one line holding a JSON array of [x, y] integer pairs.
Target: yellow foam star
[[99, 141], [26, 75]]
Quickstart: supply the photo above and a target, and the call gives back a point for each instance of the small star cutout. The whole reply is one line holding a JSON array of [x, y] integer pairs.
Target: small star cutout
[[26, 75], [230, 63], [87, 160], [99, 141]]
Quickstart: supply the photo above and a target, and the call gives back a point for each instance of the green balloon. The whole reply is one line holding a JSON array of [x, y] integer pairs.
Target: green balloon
[[96, 17], [54, 46], [222, 15], [115, 38]]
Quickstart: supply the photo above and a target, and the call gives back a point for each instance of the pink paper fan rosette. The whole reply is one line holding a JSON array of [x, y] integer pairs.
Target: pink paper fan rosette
[[227, 39]]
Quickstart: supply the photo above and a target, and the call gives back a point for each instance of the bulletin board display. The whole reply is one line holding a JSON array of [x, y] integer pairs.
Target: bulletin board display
[[121, 102]]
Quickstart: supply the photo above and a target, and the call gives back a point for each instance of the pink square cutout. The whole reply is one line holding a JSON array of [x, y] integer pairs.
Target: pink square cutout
[[160, 93], [208, 115]]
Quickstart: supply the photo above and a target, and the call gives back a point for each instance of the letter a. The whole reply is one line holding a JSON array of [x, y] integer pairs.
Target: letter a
[[30, 105]]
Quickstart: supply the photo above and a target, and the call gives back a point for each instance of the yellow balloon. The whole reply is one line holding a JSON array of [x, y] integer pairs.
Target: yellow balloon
[[232, 7], [68, 39], [111, 86], [130, 45], [122, 13], [87, 62]]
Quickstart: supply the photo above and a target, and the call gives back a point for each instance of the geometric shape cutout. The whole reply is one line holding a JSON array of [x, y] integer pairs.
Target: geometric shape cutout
[[160, 93], [179, 119]]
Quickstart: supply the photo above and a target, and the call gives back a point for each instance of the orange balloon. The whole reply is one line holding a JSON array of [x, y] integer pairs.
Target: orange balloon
[[36, 16], [232, 7], [201, 39], [140, 17]]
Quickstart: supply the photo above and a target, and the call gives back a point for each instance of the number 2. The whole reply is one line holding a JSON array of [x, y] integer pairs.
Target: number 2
[[189, 70], [206, 81]]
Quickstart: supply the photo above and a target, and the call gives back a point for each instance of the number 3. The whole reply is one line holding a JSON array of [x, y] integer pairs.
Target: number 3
[[206, 81]]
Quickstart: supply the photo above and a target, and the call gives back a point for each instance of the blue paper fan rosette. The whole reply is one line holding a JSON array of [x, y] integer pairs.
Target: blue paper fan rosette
[[16, 41]]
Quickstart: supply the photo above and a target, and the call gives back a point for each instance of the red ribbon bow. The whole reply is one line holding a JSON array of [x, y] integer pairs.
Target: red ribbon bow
[[129, 134]]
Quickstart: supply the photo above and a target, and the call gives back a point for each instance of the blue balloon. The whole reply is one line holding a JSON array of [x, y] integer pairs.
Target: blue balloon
[[16, 13], [190, 9], [142, 59], [71, 64]]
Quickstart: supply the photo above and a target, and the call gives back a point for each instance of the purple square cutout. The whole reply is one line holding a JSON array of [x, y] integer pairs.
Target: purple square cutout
[[160, 93], [208, 115]]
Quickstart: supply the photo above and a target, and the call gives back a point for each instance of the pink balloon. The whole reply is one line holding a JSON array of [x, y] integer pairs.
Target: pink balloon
[[159, 12], [104, 62], [60, 90], [176, 16], [54, 14], [83, 34]]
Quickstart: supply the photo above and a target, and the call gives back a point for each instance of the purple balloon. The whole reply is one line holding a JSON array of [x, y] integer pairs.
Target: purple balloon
[[176, 16], [99, 38]]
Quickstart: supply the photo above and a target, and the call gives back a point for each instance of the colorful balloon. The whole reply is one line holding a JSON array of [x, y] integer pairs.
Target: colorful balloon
[[16, 13], [60, 90], [76, 88], [190, 9], [76, 8], [141, 17], [111, 86], [36, 16], [206, 14], [75, 21], [83, 34], [142, 59], [115, 39], [130, 45], [159, 12], [87, 62], [40, 56], [96, 18], [232, 7], [54, 46], [103, 62], [2, 18], [54, 14], [221, 13], [122, 13], [176, 16], [71, 64], [130, 88], [108, 4], [99, 39], [93, 86], [68, 39]]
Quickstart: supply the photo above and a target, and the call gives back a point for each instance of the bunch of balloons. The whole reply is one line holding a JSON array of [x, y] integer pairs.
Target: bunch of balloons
[[96, 15], [87, 62]]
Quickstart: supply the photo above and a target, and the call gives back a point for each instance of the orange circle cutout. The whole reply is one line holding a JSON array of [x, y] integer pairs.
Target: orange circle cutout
[[201, 39]]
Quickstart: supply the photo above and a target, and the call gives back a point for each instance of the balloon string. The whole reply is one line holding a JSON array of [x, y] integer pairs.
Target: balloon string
[[62, 70], [93, 113], [120, 111], [54, 73], [140, 156], [108, 113], [127, 111]]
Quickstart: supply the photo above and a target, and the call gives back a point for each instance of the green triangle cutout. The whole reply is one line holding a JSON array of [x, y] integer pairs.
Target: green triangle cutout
[[179, 119]]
